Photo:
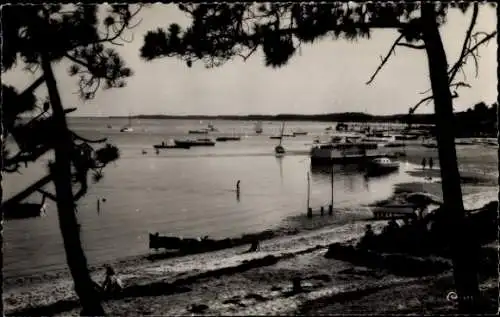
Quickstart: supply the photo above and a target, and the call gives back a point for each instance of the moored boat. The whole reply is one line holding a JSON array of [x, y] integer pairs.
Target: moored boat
[[299, 132], [279, 150], [395, 211], [197, 142], [381, 166], [128, 127], [200, 131], [171, 146], [228, 138]]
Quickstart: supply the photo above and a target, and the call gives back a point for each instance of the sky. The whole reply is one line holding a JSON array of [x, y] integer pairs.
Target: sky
[[327, 76]]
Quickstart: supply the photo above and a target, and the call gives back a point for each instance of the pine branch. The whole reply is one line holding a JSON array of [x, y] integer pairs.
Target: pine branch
[[428, 99], [385, 59], [453, 71], [417, 47]]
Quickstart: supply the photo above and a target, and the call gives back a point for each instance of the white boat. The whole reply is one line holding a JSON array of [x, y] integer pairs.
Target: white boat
[[381, 166], [128, 127]]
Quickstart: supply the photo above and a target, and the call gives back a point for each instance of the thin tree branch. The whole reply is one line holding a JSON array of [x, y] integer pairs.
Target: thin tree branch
[[453, 71], [245, 57], [417, 47], [428, 99], [46, 193], [456, 85], [27, 192], [385, 59]]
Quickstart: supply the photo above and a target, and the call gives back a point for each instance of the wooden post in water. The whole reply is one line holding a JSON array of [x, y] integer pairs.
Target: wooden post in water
[[330, 208], [309, 209], [98, 206]]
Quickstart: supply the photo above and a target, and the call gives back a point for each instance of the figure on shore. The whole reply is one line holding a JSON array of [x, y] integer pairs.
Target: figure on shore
[[431, 163], [424, 162], [367, 239], [112, 284], [254, 247]]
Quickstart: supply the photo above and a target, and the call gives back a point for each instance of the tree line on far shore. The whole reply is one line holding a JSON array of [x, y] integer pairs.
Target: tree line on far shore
[[478, 120]]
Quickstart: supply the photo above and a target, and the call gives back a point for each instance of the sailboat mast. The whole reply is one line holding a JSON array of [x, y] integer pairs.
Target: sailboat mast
[[282, 130]]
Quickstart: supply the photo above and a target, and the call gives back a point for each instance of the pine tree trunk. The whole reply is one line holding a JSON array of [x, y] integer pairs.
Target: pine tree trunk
[[463, 248], [1, 215], [70, 229]]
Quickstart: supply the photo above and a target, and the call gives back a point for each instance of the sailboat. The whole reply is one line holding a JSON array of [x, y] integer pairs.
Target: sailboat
[[128, 127], [258, 127], [279, 149]]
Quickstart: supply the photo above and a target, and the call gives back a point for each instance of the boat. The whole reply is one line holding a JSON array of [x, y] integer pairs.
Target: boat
[[345, 148], [197, 142], [299, 132], [201, 244], [395, 211], [351, 139], [279, 150], [381, 166], [171, 145], [128, 127], [199, 131], [228, 138], [258, 127]]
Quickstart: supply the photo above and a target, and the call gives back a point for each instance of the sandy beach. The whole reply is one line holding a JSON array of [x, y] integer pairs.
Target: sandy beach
[[232, 282]]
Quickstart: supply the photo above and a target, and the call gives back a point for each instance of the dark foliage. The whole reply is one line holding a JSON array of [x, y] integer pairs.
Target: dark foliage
[[68, 31]]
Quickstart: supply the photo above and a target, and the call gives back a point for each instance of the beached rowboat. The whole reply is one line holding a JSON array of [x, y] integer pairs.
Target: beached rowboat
[[395, 211]]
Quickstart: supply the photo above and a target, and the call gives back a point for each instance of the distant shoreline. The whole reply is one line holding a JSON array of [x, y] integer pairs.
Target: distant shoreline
[[329, 117]]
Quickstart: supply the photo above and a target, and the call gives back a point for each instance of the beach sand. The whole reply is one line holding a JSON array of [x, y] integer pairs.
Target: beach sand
[[231, 282]]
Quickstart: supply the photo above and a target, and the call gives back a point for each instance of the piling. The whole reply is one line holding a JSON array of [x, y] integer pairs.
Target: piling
[[330, 210], [309, 210]]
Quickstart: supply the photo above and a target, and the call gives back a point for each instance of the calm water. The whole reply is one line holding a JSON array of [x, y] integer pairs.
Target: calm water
[[184, 192]]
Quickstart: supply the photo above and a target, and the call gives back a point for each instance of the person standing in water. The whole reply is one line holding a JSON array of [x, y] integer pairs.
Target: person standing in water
[[238, 190], [431, 163], [424, 162]]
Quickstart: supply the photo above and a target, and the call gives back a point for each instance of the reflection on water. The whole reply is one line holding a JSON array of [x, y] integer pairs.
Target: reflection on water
[[279, 160]]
